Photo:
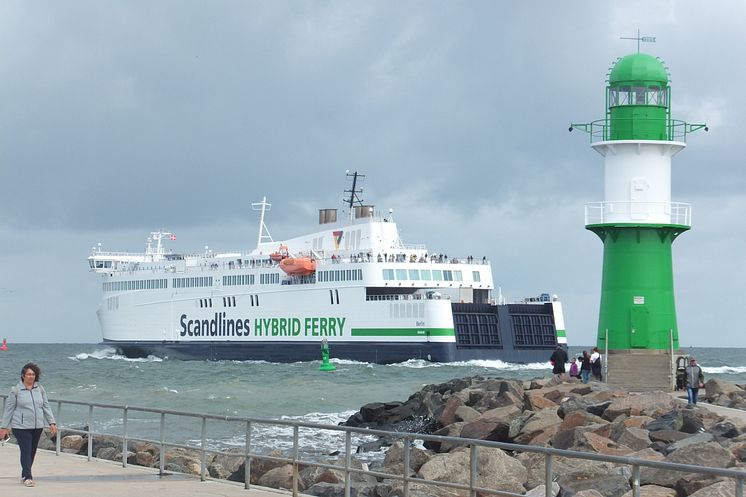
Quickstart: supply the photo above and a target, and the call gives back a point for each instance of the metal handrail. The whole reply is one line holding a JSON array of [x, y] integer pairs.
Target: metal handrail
[[739, 476], [677, 213], [600, 129]]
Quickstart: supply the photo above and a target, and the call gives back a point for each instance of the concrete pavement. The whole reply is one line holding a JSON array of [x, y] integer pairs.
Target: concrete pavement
[[68, 475]]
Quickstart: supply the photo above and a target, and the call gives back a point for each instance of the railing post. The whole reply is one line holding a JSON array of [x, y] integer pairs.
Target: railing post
[[246, 458], [348, 460], [406, 464], [124, 437], [635, 480], [90, 432], [57, 442], [295, 461], [739, 487], [162, 449], [203, 460], [548, 476], [473, 459]]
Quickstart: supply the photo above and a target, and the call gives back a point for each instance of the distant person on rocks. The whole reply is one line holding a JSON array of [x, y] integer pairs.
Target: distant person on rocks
[[26, 410], [585, 367], [574, 368], [558, 360], [596, 365], [695, 380]]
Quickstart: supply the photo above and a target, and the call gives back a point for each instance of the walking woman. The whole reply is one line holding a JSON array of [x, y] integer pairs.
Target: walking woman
[[26, 410]]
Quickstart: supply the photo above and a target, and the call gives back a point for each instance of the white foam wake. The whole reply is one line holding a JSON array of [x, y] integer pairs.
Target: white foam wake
[[110, 353], [725, 370]]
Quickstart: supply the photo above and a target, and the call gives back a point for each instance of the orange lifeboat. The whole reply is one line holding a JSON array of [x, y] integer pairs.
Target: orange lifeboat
[[298, 266]]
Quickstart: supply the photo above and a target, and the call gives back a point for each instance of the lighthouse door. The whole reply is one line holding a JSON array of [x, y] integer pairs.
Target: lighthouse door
[[638, 207], [638, 324]]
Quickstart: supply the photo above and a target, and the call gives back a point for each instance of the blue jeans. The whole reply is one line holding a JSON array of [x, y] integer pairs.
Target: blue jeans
[[691, 393], [585, 375], [28, 441]]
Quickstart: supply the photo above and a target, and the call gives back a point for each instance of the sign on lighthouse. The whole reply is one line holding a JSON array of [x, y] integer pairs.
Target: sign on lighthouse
[[637, 220]]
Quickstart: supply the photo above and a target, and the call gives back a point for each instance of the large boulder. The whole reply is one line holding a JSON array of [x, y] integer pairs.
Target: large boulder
[[636, 404], [539, 422], [613, 485], [281, 477], [535, 465], [715, 388], [719, 489], [394, 459], [495, 469], [707, 454], [653, 491], [452, 430]]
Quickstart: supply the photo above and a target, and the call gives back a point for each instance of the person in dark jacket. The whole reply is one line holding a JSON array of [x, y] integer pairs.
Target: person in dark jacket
[[695, 380], [558, 360], [585, 367], [26, 411], [596, 367]]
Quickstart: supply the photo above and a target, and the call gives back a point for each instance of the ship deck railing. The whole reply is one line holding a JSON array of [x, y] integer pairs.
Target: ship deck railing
[[407, 296], [316, 431], [208, 264]]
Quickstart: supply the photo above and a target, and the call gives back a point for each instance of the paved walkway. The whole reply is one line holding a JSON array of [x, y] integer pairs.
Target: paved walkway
[[73, 476]]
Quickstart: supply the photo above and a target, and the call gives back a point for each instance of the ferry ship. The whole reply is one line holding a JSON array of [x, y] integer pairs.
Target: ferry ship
[[352, 282]]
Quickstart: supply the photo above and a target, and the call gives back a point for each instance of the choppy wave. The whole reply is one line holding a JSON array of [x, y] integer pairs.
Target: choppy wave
[[110, 353], [489, 364], [724, 369]]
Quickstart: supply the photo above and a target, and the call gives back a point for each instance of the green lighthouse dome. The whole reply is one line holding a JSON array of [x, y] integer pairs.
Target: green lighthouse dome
[[638, 67], [638, 99]]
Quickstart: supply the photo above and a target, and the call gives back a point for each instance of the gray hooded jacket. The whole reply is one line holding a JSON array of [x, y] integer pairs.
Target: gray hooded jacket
[[27, 409]]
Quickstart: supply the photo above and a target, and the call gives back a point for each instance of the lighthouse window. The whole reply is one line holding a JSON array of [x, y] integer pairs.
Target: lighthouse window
[[401, 274]]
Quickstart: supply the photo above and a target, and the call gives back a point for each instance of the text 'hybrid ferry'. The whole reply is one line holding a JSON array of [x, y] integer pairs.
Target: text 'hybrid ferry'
[[352, 282]]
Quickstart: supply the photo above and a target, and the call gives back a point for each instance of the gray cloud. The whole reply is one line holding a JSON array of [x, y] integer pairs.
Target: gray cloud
[[120, 118]]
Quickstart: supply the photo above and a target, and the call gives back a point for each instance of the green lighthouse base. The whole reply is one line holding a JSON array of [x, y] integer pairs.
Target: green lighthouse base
[[637, 300]]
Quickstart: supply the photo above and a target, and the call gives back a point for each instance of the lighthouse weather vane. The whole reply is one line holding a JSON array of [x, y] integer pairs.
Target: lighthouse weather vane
[[645, 39]]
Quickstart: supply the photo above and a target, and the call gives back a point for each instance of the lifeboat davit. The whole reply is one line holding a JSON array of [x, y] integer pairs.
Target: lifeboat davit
[[281, 253], [298, 266]]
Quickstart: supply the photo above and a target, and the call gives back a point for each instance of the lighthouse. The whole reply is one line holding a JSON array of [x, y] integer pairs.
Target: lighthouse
[[637, 221]]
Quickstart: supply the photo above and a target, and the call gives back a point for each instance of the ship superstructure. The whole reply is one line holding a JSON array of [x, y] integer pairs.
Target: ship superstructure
[[352, 281]]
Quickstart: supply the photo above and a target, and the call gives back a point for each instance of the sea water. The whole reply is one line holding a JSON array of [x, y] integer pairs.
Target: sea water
[[257, 389]]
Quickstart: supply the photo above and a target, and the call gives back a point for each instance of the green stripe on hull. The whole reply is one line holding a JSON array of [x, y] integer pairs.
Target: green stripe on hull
[[402, 332]]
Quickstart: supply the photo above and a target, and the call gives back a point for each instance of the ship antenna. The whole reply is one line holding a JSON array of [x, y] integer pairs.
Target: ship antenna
[[262, 206], [354, 198]]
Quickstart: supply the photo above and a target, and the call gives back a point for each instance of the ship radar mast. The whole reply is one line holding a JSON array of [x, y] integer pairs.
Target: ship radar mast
[[262, 206], [354, 199]]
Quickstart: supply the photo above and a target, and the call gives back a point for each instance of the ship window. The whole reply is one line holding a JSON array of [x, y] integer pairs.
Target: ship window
[[401, 274], [425, 274], [388, 274], [414, 274], [447, 275], [457, 276], [476, 276], [437, 275]]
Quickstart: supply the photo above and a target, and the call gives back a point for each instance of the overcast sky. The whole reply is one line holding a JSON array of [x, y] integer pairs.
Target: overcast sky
[[119, 118]]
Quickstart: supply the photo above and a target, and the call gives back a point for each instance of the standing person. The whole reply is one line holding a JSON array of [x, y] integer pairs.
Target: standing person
[[558, 360], [695, 380], [585, 367], [596, 364], [26, 410], [574, 368]]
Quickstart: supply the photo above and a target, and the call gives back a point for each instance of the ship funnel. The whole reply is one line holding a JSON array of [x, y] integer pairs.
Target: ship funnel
[[363, 211], [327, 216]]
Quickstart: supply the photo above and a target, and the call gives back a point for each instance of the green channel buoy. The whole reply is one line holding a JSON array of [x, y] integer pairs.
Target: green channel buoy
[[325, 364]]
